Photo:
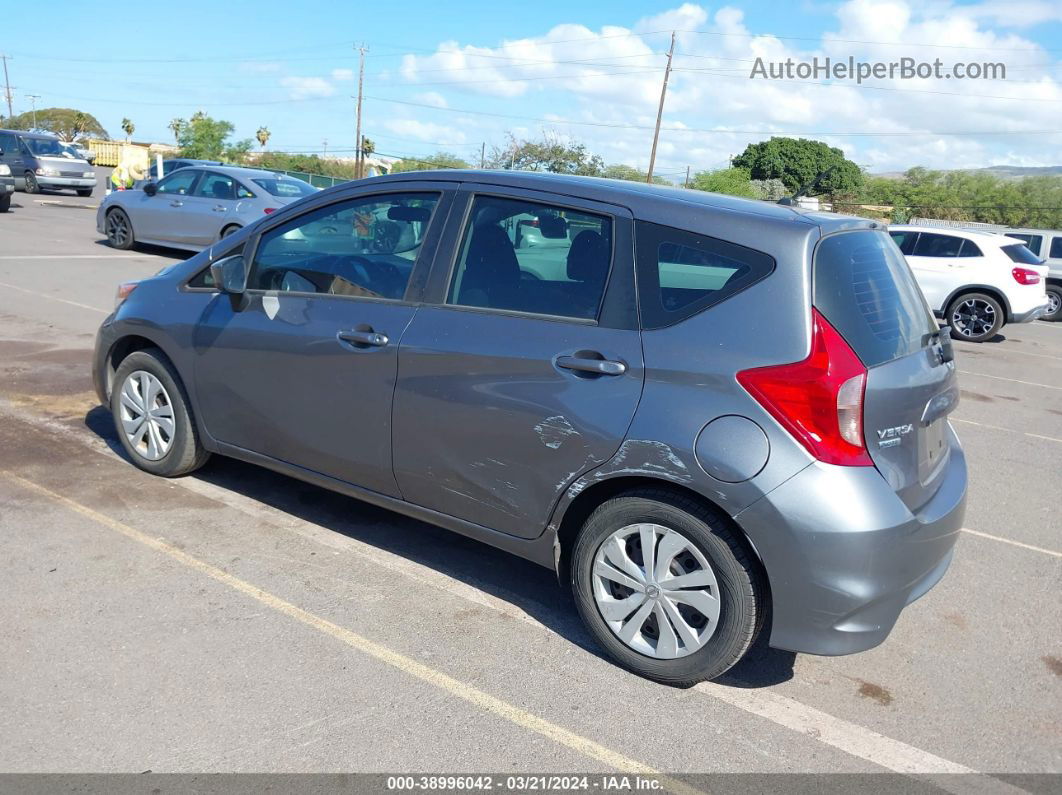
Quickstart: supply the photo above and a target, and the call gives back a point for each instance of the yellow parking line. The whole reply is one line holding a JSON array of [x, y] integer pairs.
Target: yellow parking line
[[454, 687]]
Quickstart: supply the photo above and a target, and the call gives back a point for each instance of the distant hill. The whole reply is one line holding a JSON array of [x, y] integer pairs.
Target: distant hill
[[1003, 172]]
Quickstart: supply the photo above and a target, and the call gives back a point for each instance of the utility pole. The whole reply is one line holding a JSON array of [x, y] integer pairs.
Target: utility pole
[[359, 157], [324, 144], [483, 155], [33, 102], [686, 182], [7, 86], [660, 110]]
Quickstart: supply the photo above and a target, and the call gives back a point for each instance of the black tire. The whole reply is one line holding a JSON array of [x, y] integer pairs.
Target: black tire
[[84, 192], [231, 229], [1054, 292], [186, 453], [975, 317], [113, 224], [31, 183], [5, 202], [742, 591]]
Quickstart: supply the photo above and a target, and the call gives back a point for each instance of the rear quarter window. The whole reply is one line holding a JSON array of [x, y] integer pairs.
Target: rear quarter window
[[681, 273], [864, 288], [1020, 253]]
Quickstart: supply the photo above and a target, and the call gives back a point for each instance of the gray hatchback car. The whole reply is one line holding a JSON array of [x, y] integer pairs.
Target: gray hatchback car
[[712, 417]]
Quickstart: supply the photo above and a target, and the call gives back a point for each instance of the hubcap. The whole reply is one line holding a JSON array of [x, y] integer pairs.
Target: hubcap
[[656, 591], [146, 415], [117, 229], [973, 317], [1053, 303]]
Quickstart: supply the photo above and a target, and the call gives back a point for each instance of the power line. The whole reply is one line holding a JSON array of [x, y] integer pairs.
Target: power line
[[708, 130]]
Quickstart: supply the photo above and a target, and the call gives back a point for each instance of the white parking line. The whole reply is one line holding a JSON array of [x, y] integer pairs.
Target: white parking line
[[1008, 430], [78, 256], [837, 733], [1013, 543], [1012, 380], [54, 298]]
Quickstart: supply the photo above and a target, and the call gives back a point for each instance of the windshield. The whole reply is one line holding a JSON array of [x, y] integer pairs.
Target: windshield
[[49, 147], [285, 187]]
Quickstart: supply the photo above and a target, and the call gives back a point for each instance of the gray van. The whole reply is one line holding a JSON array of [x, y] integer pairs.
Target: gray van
[[40, 161], [1047, 245], [712, 417]]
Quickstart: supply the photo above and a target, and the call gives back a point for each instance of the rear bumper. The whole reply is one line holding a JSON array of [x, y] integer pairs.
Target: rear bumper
[[1029, 315], [844, 555]]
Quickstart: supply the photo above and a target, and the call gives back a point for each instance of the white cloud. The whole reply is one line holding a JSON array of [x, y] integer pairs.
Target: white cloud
[[307, 87], [425, 131], [433, 98], [342, 75]]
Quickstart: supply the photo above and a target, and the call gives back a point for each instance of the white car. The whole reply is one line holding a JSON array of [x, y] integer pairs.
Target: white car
[[976, 281]]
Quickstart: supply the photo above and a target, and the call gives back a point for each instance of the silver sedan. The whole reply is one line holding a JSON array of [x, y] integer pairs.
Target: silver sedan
[[193, 208]]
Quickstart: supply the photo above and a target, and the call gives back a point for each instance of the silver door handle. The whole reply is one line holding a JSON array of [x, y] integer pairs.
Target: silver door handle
[[218, 208], [176, 203], [597, 366], [373, 338]]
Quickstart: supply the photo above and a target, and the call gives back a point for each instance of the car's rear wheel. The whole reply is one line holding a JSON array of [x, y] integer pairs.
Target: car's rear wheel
[[231, 229], [975, 317], [119, 229], [665, 586], [153, 417], [1054, 303], [31, 183]]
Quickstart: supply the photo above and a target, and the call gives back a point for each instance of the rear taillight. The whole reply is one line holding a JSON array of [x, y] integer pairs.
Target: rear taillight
[[269, 210], [1025, 276], [125, 289], [818, 400]]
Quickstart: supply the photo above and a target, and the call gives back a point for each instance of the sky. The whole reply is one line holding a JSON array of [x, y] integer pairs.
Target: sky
[[457, 76]]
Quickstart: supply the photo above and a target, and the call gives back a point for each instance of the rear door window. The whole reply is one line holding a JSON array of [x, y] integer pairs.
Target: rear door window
[[681, 273], [1056, 248], [216, 186], [905, 240], [931, 245], [865, 289]]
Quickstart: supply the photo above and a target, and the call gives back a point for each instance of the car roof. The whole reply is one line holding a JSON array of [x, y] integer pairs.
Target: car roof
[[236, 171], [623, 192], [29, 134], [976, 235]]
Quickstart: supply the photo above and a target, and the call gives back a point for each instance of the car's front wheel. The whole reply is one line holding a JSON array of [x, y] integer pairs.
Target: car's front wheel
[[153, 416], [975, 317], [1054, 303], [31, 183], [666, 587], [119, 229], [84, 192]]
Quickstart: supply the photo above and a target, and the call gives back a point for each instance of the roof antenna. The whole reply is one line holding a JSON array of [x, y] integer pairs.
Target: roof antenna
[[790, 201]]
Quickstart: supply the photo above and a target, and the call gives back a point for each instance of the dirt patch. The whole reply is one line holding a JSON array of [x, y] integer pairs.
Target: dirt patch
[[1009, 397], [956, 619], [966, 394], [1054, 665], [874, 692]]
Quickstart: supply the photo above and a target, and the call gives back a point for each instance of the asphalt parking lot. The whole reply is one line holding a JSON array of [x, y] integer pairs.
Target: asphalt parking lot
[[237, 620]]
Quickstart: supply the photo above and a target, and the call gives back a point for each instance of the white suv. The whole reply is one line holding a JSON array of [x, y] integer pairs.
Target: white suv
[[976, 281]]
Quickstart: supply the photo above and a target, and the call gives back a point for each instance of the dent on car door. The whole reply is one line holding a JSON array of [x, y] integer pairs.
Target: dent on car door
[[511, 386]]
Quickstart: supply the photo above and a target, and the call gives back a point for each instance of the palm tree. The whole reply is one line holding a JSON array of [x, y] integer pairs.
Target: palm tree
[[176, 127], [263, 136], [128, 126]]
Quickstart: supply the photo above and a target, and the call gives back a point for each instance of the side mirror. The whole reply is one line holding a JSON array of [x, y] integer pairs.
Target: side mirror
[[151, 189], [229, 275]]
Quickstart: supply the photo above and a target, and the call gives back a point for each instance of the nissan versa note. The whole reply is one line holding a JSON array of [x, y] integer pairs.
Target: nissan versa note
[[712, 417]]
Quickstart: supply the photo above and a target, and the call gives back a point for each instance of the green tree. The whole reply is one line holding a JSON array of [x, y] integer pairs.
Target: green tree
[[128, 127], [629, 173], [176, 125], [205, 138], [367, 146], [550, 153], [67, 123], [731, 181], [263, 136], [801, 163], [437, 160]]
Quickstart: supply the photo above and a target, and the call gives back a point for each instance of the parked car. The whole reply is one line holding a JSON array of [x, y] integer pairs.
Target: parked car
[[1047, 245], [7, 187], [39, 161], [195, 206], [725, 410], [976, 281], [82, 151]]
